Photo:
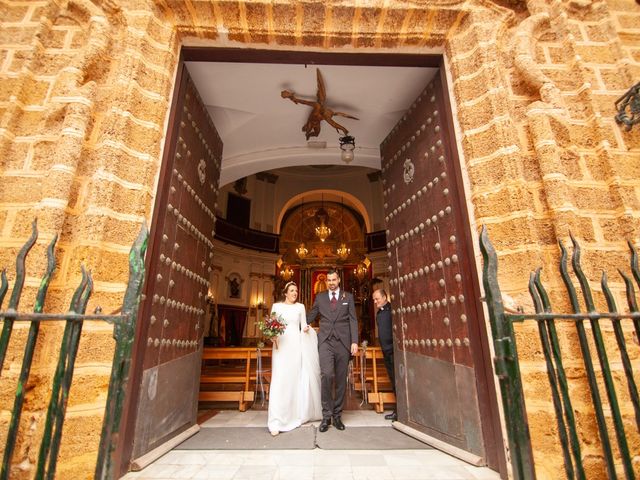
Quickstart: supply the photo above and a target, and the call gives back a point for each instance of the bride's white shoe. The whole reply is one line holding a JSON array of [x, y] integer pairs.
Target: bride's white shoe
[[274, 433]]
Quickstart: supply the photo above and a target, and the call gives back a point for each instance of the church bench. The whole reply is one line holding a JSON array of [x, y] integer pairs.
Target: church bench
[[377, 385], [240, 371]]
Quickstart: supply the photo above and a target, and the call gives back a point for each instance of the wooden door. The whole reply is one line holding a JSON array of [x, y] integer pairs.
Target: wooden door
[[439, 357], [173, 311]]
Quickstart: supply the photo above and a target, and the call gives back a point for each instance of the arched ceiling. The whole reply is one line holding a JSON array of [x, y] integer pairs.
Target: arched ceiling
[[343, 198], [299, 225], [261, 130]]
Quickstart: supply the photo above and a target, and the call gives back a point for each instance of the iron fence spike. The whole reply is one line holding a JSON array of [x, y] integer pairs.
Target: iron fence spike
[[4, 285]]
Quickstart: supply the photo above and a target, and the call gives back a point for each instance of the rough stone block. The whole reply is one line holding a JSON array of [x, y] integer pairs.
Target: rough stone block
[[613, 80], [79, 447], [626, 165], [368, 25], [313, 17], [17, 34], [145, 108], [504, 201], [589, 198], [481, 113], [17, 154], [106, 266], [487, 142], [284, 23], [494, 171], [628, 20], [11, 13], [27, 123], [257, 22], [151, 78], [557, 54], [22, 189]]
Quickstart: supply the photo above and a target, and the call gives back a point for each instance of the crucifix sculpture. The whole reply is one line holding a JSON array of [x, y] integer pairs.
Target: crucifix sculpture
[[319, 111]]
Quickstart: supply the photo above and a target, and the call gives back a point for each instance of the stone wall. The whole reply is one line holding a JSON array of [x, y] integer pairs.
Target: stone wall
[[85, 91]]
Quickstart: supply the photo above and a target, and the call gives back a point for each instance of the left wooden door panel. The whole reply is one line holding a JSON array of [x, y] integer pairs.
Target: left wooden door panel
[[173, 311]]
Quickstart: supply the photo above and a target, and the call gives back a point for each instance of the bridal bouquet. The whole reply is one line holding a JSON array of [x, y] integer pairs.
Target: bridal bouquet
[[272, 326]]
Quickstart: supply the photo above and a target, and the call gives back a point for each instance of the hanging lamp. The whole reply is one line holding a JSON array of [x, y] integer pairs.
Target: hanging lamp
[[302, 250], [322, 231], [342, 251]]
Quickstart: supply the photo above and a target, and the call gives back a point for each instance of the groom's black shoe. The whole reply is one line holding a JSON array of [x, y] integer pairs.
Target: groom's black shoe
[[324, 425], [391, 416], [337, 422]]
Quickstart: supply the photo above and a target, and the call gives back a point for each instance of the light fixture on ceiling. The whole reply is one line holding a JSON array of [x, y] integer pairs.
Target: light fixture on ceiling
[[342, 251], [347, 145], [322, 231], [286, 272], [302, 250]]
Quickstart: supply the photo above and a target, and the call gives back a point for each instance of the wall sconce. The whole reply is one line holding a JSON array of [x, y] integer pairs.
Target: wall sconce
[[347, 145], [210, 298], [360, 271]]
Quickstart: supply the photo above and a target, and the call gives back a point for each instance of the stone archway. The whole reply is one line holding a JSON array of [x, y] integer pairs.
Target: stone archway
[[512, 121], [456, 19]]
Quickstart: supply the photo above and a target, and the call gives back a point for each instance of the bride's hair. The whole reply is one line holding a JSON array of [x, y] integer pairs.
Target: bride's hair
[[287, 285]]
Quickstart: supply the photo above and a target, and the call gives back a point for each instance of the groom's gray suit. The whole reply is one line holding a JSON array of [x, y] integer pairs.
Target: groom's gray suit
[[338, 330]]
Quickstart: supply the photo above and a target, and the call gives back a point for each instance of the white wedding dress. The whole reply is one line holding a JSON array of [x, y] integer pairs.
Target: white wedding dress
[[294, 393]]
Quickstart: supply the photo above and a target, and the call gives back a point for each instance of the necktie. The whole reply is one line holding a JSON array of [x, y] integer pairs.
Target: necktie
[[334, 301]]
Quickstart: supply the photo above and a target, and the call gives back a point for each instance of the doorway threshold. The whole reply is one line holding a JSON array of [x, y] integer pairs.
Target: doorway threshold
[[258, 418]]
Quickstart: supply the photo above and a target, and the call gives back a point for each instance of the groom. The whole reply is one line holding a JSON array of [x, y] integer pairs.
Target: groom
[[337, 341]]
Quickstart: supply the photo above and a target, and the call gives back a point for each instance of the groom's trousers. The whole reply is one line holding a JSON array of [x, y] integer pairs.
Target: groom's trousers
[[334, 365]]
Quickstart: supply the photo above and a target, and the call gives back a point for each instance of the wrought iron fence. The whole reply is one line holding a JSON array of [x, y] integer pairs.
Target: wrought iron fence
[[508, 371], [123, 333]]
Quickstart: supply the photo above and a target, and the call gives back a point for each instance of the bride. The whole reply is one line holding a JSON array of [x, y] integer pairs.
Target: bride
[[294, 394]]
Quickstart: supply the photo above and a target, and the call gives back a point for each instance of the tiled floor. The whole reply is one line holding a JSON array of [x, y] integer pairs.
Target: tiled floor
[[307, 464]]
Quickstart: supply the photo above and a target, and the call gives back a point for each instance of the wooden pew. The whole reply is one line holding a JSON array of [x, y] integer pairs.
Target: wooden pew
[[243, 373], [376, 381]]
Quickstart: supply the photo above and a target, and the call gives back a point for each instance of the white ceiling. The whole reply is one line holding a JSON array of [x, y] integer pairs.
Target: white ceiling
[[261, 130]]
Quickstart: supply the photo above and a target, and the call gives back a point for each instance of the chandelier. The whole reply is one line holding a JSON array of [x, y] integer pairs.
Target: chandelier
[[322, 231], [302, 250], [286, 272], [342, 251]]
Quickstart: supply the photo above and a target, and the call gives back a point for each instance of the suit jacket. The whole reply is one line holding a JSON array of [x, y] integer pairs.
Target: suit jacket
[[342, 322], [385, 329]]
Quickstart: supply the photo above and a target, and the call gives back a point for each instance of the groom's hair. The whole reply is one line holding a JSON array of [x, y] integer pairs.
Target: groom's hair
[[333, 270]]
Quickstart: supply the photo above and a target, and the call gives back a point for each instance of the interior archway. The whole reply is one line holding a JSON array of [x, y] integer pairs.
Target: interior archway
[[328, 195]]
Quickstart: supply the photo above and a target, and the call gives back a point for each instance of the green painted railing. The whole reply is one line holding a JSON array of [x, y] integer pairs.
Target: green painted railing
[[508, 372], [124, 326]]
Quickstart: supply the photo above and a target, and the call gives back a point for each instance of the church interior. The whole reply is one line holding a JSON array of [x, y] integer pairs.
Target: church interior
[[312, 204]]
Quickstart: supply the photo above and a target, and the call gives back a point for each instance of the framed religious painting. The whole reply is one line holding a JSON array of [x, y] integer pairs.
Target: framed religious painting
[[318, 283]]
